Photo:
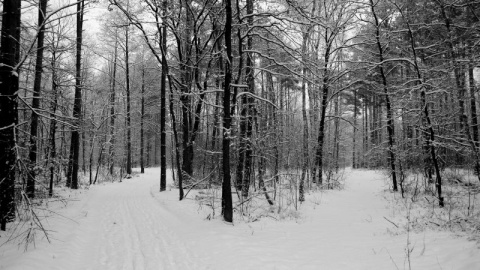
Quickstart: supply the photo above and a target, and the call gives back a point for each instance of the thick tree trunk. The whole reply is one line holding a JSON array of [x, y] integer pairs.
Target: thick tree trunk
[[37, 84], [9, 57]]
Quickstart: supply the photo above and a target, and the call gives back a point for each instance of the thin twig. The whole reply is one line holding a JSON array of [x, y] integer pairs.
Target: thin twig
[[390, 222]]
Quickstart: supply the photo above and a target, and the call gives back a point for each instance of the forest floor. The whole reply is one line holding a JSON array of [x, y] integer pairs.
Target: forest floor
[[130, 225]]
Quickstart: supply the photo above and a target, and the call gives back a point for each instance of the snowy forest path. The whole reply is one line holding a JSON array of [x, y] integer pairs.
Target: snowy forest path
[[126, 228]]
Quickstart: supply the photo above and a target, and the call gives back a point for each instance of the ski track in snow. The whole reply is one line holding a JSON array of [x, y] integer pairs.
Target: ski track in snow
[[130, 225], [123, 227], [129, 230]]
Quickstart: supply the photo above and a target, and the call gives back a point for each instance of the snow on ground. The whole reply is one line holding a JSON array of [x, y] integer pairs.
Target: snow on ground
[[130, 225]]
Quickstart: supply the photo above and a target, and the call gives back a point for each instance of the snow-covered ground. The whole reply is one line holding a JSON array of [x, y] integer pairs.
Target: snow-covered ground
[[130, 225]]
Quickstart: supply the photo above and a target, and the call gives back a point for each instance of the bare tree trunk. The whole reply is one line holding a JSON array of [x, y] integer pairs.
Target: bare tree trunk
[[354, 145], [321, 128], [186, 66], [473, 112], [227, 208], [111, 151], [301, 191], [163, 117], [177, 142], [306, 158], [366, 133], [142, 117], [244, 167], [9, 57], [336, 137], [99, 162], [30, 189], [72, 181], [53, 124], [390, 123], [83, 138], [90, 159], [127, 77]]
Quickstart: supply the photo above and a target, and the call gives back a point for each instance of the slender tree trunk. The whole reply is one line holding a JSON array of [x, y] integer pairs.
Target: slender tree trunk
[[354, 144], [472, 86], [366, 132], [142, 116], [53, 125], [37, 84], [9, 57], [336, 137], [262, 165], [111, 151], [99, 162], [249, 135], [245, 163], [227, 208], [90, 159], [177, 142], [149, 150], [165, 71], [163, 116], [473, 112], [186, 66], [72, 181], [83, 137], [321, 128], [390, 123], [301, 189], [305, 38], [128, 123], [219, 85]]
